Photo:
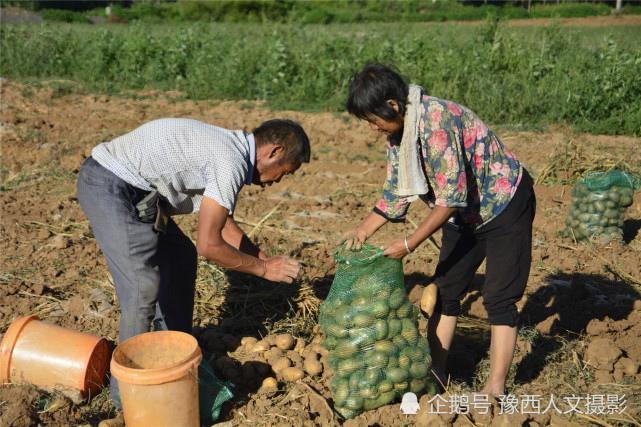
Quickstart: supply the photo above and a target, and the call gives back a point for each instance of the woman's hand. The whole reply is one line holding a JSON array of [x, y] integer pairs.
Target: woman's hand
[[400, 247], [396, 249], [357, 236], [354, 237]]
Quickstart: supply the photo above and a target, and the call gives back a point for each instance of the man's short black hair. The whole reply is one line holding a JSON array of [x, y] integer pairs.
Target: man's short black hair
[[371, 88], [289, 135]]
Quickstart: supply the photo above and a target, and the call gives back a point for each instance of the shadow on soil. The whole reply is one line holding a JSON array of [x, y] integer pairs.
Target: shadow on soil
[[249, 305], [560, 311], [631, 229], [564, 308], [552, 316]]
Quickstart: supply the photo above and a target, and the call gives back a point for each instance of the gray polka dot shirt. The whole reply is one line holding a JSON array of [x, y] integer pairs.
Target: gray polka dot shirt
[[183, 160]]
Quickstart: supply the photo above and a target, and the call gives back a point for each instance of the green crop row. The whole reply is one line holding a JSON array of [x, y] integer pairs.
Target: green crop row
[[317, 12], [345, 11], [529, 77]]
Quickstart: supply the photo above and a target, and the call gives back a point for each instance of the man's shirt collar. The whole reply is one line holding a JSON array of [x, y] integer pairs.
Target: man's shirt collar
[[252, 158]]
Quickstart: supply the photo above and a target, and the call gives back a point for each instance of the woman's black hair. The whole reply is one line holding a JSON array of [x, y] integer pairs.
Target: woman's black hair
[[371, 88]]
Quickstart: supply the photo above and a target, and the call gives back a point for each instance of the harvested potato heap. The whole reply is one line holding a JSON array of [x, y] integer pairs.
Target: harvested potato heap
[[375, 350], [599, 204], [287, 358]]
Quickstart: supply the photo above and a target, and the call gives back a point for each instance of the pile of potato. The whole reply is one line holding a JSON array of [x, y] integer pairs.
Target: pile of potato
[[274, 358], [597, 213], [375, 350]]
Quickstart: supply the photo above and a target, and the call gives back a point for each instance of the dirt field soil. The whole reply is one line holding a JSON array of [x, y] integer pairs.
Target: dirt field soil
[[581, 315]]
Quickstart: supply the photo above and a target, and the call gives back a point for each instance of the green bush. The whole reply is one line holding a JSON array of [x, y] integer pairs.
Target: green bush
[[317, 16], [234, 11], [531, 77], [330, 11], [570, 10], [62, 15]]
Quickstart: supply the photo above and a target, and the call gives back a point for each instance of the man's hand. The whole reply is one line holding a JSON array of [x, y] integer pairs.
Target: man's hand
[[281, 269], [239, 253], [355, 237]]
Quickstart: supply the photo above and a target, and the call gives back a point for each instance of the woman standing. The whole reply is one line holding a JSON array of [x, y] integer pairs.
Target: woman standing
[[480, 195]]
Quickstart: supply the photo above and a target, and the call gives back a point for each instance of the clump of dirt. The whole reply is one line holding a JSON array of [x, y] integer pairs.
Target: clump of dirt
[[24, 405], [19, 406], [581, 314]]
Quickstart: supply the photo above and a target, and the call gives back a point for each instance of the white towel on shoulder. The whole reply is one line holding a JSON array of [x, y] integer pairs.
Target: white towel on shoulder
[[411, 178]]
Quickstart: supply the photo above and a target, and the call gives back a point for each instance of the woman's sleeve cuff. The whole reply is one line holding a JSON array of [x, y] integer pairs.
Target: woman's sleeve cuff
[[399, 219]]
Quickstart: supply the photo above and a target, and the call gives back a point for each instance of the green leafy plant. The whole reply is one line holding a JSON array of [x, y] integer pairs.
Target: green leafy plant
[[529, 78]]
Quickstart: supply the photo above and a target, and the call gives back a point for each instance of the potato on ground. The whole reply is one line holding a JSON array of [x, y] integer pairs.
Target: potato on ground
[[312, 367], [261, 345], [292, 374], [279, 365], [248, 343], [285, 341], [269, 384]]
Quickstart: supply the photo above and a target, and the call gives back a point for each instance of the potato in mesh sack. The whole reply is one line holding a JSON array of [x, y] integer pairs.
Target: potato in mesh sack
[[375, 350], [599, 204]]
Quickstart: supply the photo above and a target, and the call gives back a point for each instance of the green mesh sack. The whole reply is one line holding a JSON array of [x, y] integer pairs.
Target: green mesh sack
[[375, 350], [212, 393], [599, 204]]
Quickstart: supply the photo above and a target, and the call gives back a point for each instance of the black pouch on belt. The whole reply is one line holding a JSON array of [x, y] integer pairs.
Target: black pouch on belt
[[151, 209]]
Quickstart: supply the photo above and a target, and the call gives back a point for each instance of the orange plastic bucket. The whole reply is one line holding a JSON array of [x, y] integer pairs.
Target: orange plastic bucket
[[49, 356], [157, 375]]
